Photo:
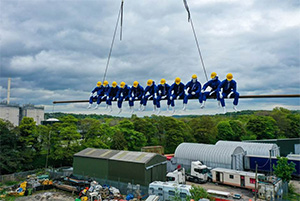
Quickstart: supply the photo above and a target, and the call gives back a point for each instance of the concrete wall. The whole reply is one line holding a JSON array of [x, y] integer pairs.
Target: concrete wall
[[36, 113], [10, 113]]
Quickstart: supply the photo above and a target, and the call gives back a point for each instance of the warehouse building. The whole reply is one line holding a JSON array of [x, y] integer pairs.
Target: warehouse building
[[287, 146], [230, 157], [258, 149], [122, 166]]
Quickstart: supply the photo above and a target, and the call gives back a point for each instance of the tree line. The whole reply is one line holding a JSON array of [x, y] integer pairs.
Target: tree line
[[28, 146]]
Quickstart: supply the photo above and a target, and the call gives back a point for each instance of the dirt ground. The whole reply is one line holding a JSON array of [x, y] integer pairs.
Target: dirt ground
[[50, 196], [296, 185]]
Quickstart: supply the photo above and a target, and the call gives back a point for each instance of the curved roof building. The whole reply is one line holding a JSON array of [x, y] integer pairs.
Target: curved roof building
[[230, 157], [259, 149]]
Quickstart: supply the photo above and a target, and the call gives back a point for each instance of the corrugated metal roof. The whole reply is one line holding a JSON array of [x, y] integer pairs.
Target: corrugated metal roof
[[128, 156], [131, 156], [261, 149], [97, 153]]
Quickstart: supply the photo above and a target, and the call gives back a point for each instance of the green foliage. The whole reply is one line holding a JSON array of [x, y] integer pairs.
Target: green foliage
[[225, 131], [283, 169], [197, 193], [264, 127]]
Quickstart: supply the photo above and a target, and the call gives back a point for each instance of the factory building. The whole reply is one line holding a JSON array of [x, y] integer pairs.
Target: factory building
[[15, 113], [230, 157], [121, 166], [259, 149]]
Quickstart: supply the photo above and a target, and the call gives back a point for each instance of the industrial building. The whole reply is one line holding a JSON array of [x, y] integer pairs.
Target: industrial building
[[15, 113], [230, 157], [259, 149], [122, 166], [287, 146]]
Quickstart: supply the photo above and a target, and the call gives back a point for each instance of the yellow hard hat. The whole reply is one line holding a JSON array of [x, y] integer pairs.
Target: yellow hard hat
[[122, 85], [162, 81], [114, 84], [194, 76], [229, 76], [135, 83], [99, 84], [105, 83], [149, 82], [213, 75], [177, 80]]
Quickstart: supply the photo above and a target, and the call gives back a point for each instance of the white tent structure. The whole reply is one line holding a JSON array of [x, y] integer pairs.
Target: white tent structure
[[230, 157]]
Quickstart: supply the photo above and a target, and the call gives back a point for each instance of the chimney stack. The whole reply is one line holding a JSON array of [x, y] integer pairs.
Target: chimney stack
[[8, 90]]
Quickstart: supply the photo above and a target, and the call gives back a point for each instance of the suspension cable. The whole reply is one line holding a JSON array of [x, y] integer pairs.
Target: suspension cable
[[113, 40], [195, 36]]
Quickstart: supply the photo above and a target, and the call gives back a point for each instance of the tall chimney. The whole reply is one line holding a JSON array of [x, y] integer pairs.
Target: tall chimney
[[8, 90]]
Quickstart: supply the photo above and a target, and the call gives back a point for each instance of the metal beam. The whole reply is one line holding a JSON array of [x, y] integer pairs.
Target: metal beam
[[243, 96]]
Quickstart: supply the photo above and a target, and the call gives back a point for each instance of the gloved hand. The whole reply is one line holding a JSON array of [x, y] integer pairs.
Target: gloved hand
[[228, 96], [159, 93], [171, 97], [193, 93], [155, 96], [163, 97], [221, 96], [91, 94], [103, 96], [185, 92], [108, 97], [178, 97], [147, 94], [202, 91], [130, 98], [211, 93]]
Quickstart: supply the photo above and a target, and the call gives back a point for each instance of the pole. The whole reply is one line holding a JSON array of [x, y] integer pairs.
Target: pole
[[8, 90], [270, 162], [256, 165]]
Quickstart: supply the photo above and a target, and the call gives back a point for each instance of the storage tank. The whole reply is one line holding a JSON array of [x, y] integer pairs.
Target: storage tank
[[230, 157]]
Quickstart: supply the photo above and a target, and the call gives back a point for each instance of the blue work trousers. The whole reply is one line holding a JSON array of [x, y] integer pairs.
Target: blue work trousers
[[235, 95], [158, 99], [186, 97]]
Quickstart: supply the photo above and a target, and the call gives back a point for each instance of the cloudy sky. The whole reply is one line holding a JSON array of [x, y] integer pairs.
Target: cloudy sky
[[57, 49]]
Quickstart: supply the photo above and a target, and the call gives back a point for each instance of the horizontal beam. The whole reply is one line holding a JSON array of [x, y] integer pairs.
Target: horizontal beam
[[244, 96]]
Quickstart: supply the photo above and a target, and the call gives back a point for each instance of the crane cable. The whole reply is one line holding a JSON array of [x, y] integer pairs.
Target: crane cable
[[114, 36], [195, 36]]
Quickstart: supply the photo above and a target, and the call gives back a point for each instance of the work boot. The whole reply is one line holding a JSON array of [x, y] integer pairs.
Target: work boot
[[154, 108], [219, 104], [168, 108], [173, 110], [110, 108], [106, 107], [234, 108], [96, 106], [131, 109], [224, 110], [184, 107], [203, 105], [120, 110], [90, 105], [158, 111], [143, 107]]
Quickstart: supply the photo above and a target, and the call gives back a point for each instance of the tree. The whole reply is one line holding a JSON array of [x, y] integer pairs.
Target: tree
[[238, 129], [264, 127], [197, 193], [10, 157], [283, 169], [203, 129], [225, 131], [118, 141]]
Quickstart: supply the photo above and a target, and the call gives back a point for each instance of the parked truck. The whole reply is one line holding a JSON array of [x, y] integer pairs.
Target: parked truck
[[199, 174]]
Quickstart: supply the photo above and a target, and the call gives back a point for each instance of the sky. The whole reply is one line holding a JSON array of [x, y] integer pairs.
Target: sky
[[56, 50]]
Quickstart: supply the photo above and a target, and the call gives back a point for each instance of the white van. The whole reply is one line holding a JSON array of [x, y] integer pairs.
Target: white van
[[168, 190]]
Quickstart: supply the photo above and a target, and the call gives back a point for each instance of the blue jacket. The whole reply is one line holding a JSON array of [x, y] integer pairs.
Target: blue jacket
[[103, 90], [193, 87], [213, 83], [97, 89], [123, 92], [163, 90], [112, 91], [136, 92], [151, 89], [177, 89], [227, 86]]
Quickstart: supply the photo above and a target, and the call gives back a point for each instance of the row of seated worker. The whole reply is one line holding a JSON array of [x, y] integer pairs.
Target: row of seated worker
[[214, 88]]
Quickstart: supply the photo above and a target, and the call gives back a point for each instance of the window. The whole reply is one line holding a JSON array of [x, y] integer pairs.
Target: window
[[170, 178], [231, 176], [252, 181], [160, 194], [198, 170], [160, 189], [172, 193], [183, 195], [151, 190]]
